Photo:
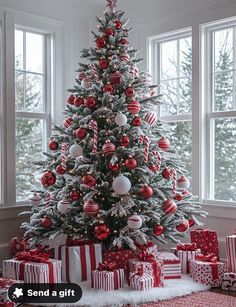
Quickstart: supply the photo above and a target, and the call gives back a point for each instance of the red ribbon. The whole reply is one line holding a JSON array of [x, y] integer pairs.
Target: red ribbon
[[6, 283], [138, 273], [144, 246], [213, 261], [187, 247], [107, 266], [145, 256]]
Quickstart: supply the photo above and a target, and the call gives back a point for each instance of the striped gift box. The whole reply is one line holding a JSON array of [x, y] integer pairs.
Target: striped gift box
[[143, 282], [108, 280], [231, 252], [171, 265], [185, 257]]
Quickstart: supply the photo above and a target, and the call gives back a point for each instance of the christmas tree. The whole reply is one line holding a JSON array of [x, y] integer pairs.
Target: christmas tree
[[111, 174]]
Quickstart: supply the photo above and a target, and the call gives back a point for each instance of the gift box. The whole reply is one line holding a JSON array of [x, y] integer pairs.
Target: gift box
[[120, 256], [79, 260], [149, 265], [107, 277], [33, 267], [207, 270], [186, 252], [141, 281], [229, 281], [206, 240], [171, 265], [150, 248], [5, 284], [231, 252]]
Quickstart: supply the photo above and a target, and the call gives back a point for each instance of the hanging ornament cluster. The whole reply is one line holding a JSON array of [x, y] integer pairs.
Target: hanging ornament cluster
[[135, 222], [121, 185], [48, 179], [101, 232], [91, 208]]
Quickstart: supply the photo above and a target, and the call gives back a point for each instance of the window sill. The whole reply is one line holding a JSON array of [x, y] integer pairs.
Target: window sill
[[12, 212], [220, 209]]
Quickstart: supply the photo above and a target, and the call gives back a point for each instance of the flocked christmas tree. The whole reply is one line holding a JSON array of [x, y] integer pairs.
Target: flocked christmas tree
[[111, 174]]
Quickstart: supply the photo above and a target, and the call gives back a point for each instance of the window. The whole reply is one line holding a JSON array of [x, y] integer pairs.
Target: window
[[220, 99], [32, 105], [172, 58]]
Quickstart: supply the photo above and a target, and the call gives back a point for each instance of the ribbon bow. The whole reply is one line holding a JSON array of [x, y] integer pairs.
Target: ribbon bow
[[139, 272], [145, 256], [207, 258], [187, 247], [35, 255], [107, 266]]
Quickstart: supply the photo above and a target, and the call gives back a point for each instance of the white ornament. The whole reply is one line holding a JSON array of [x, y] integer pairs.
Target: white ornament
[[35, 199], [134, 221], [120, 119], [121, 185], [63, 205], [76, 151], [183, 182], [86, 83]]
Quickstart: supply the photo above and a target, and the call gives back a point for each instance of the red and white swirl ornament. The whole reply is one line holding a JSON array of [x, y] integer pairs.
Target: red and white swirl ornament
[[47, 199], [134, 71], [144, 139], [94, 126], [94, 71], [174, 180], [158, 156], [151, 118], [64, 152]]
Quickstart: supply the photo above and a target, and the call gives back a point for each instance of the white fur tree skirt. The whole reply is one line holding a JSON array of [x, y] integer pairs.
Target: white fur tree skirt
[[173, 288]]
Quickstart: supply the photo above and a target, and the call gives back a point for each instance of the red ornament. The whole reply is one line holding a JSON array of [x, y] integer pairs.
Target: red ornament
[[108, 148], [81, 133], [108, 88], [100, 42], [146, 192], [52, 145], [185, 192], [191, 223], [118, 24], [167, 173], [158, 230], [88, 180], [115, 78], [60, 170], [184, 226], [48, 179], [78, 101], [153, 167], [103, 63], [124, 141], [46, 222], [67, 122], [124, 41], [108, 32], [90, 102], [91, 208], [178, 197], [102, 232], [129, 92], [137, 121], [71, 99], [169, 206], [74, 195], [130, 163], [82, 75], [164, 144], [114, 167]]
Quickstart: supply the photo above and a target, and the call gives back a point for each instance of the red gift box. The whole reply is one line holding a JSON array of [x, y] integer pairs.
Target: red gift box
[[150, 247], [206, 240], [120, 256]]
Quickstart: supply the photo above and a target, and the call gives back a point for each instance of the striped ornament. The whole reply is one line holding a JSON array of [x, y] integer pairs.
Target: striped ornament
[[145, 139], [169, 206], [91, 208], [158, 156], [151, 118], [134, 221], [134, 71], [164, 143], [134, 107], [124, 57], [94, 126], [64, 152], [108, 149], [67, 122]]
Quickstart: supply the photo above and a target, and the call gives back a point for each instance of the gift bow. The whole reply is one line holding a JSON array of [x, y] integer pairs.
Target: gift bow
[[144, 246], [145, 256], [139, 272], [187, 247], [107, 266], [207, 258], [35, 255]]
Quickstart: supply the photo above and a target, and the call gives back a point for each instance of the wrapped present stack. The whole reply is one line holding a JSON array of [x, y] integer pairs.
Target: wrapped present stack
[[186, 252], [229, 278], [171, 265]]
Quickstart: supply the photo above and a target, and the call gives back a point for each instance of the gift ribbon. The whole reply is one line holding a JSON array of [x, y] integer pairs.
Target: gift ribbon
[[36, 256], [146, 257], [213, 261], [191, 247], [144, 247], [107, 266], [139, 272]]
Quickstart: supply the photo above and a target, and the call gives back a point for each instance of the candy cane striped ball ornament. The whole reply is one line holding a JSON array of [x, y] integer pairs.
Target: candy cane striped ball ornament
[[151, 118], [63, 206], [135, 222], [169, 206], [183, 182], [134, 107], [124, 57], [108, 148], [67, 122], [164, 144], [91, 208], [134, 71]]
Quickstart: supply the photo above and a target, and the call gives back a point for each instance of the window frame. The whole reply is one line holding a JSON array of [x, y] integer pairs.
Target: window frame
[[207, 101], [46, 26]]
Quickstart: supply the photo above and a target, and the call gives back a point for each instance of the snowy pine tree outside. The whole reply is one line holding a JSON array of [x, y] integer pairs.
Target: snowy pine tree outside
[[111, 174]]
